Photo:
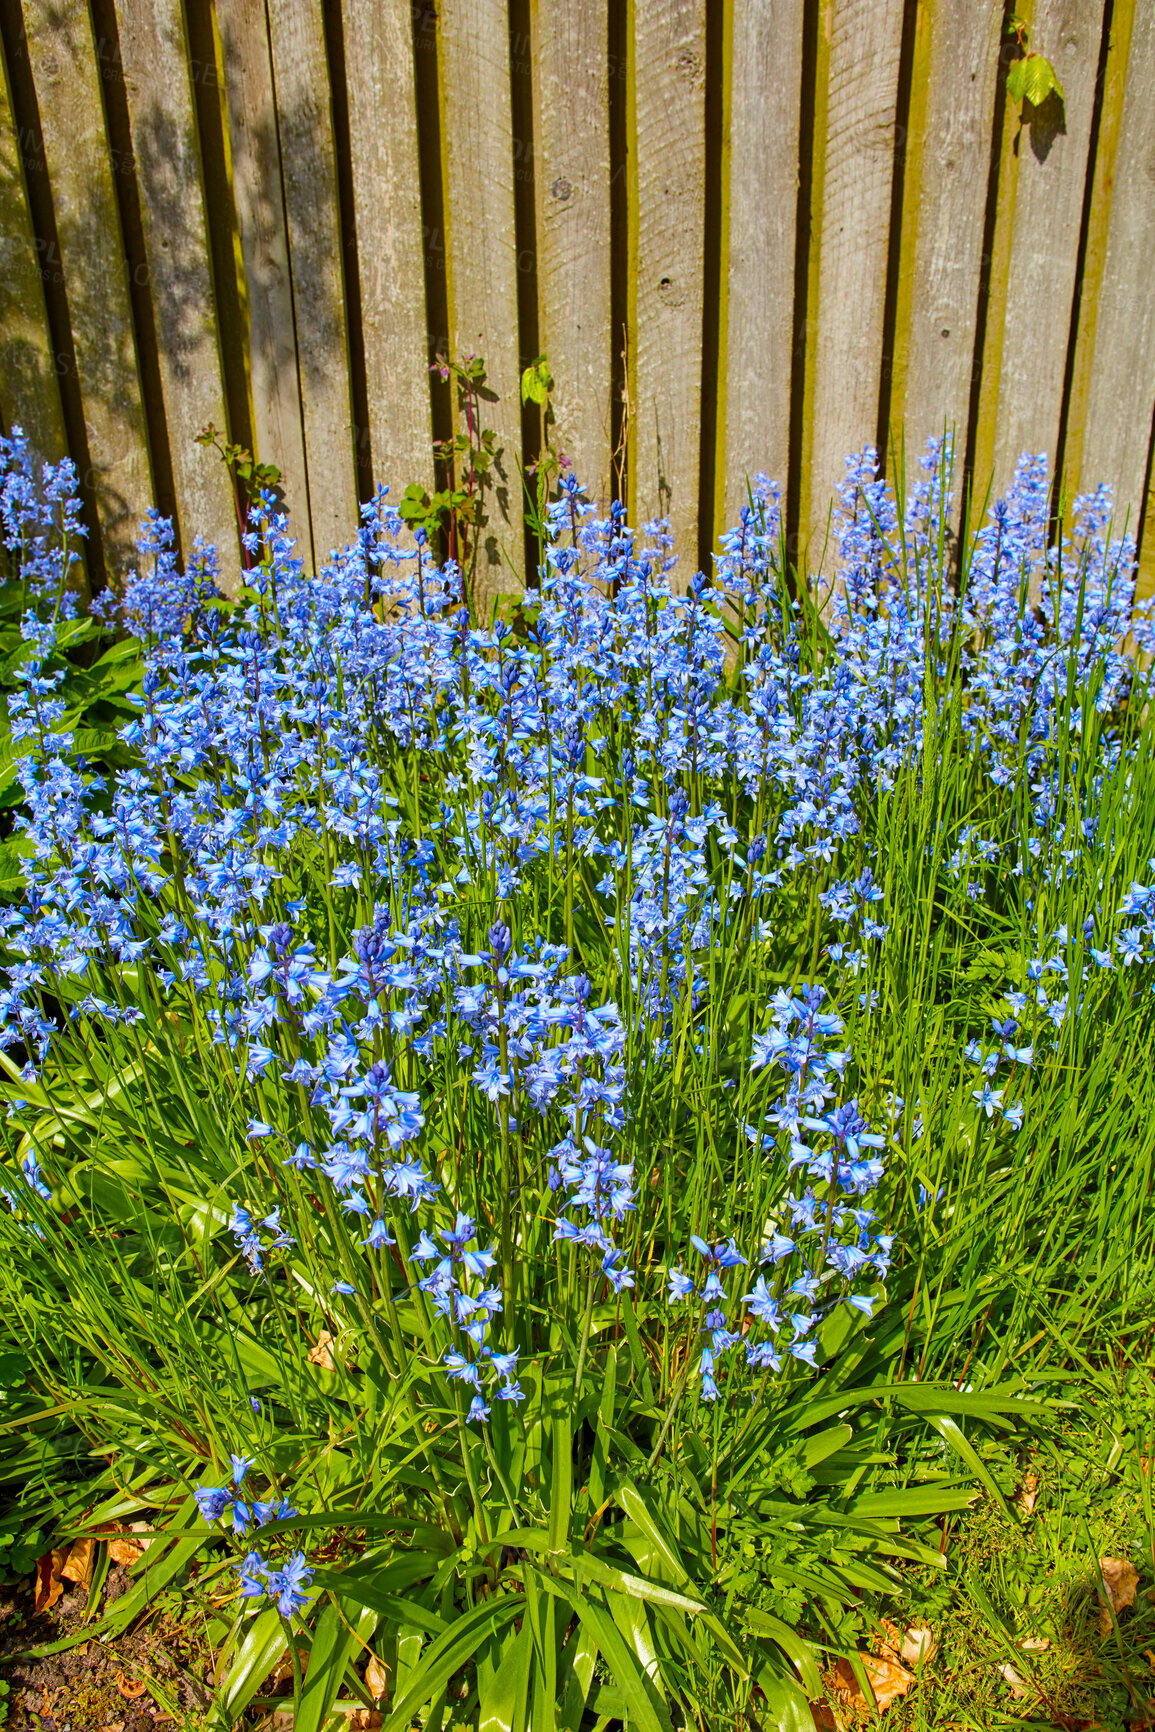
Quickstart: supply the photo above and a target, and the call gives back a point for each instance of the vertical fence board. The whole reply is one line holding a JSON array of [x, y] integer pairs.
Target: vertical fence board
[[572, 188], [1048, 210], [67, 79], [953, 155], [1117, 430], [309, 172], [859, 162], [758, 292], [387, 195], [256, 164], [669, 73], [29, 387], [481, 257], [155, 57]]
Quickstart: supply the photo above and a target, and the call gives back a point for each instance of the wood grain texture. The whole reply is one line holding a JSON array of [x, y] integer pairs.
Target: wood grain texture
[[255, 153], [572, 197], [481, 256], [1052, 171], [758, 298], [309, 175], [865, 42], [387, 194], [1117, 430], [67, 78], [669, 75], [155, 57], [952, 154], [29, 387]]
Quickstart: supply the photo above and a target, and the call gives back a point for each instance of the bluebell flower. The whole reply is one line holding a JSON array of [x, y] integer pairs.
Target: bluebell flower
[[288, 1584]]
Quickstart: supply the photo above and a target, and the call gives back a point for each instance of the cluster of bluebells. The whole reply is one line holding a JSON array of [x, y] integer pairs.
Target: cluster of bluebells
[[348, 801], [285, 1583], [40, 526]]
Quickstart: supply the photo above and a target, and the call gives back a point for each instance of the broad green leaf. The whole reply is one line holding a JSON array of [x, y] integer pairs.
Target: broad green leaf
[[1032, 79], [446, 1655], [261, 1647], [333, 1644], [503, 1677], [947, 1429], [643, 1710]]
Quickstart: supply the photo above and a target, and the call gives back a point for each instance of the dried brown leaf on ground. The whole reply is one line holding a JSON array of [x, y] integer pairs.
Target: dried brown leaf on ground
[[78, 1564], [123, 1551], [911, 1645], [1120, 1578], [320, 1355], [376, 1678], [130, 1688], [366, 1720], [283, 1670], [1027, 1493], [888, 1680], [1019, 1686], [48, 1587]]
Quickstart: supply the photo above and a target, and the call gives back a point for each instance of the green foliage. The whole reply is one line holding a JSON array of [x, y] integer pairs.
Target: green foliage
[[1032, 79]]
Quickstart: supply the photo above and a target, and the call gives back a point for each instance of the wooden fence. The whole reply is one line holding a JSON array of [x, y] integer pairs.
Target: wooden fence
[[748, 234]]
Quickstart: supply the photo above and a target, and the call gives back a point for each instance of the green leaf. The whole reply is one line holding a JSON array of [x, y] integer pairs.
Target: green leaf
[[536, 382], [447, 1655], [1032, 79], [627, 1674], [334, 1644], [503, 1675], [950, 1432], [261, 1648]]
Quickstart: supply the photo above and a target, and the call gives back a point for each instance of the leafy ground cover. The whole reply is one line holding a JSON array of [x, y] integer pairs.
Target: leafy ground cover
[[550, 1164]]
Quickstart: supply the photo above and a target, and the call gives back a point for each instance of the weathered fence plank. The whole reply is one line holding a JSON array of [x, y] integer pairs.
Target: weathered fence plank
[[1052, 146], [950, 157], [309, 175], [858, 170], [669, 102], [481, 258], [572, 195], [256, 172], [67, 78], [387, 194], [155, 57], [1115, 441], [758, 302], [29, 386]]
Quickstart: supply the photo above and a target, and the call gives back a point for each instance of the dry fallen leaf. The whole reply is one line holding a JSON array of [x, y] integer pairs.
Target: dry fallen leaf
[[1120, 1578], [888, 1680], [48, 1586], [1027, 1493], [913, 1644], [1035, 1644], [283, 1670], [78, 1563], [918, 1644], [1010, 1676], [376, 1678], [320, 1355], [130, 1689], [366, 1720], [123, 1551]]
